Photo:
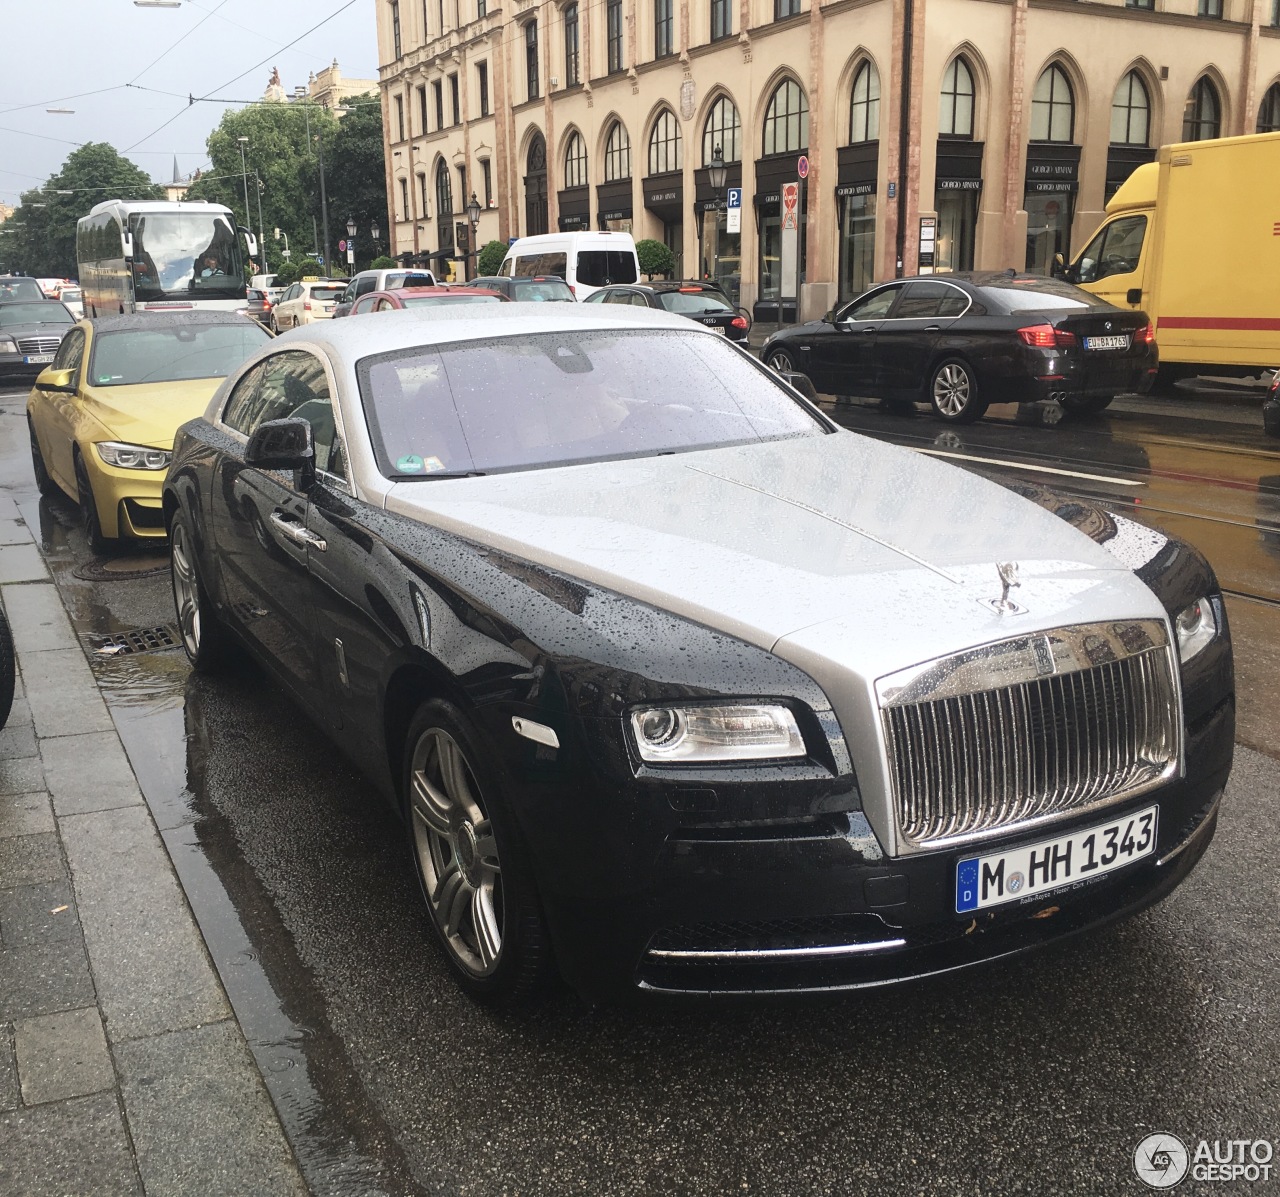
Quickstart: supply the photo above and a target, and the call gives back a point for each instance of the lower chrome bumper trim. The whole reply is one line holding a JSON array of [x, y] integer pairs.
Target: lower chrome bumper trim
[[816, 953]]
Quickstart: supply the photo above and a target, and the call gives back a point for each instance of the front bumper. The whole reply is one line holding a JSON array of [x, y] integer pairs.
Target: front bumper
[[645, 892], [128, 501]]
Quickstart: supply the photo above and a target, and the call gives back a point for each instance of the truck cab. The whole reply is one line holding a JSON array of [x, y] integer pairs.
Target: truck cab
[[1115, 263]]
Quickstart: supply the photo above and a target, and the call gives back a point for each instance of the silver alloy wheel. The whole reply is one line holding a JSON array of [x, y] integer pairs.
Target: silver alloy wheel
[[780, 361], [952, 389], [186, 590], [457, 852]]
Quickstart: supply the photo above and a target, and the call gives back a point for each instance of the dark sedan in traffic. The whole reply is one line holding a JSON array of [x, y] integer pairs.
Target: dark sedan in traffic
[[528, 288], [700, 301], [963, 342], [678, 685], [30, 334]]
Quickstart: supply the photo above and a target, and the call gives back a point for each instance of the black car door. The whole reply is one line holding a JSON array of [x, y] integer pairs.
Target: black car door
[[907, 340], [260, 525], [841, 358]]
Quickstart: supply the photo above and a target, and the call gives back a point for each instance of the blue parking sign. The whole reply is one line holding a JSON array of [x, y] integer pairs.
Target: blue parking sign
[[735, 197]]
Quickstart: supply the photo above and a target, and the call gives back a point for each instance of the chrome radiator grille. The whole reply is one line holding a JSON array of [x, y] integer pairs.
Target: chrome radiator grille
[[969, 763], [38, 344]]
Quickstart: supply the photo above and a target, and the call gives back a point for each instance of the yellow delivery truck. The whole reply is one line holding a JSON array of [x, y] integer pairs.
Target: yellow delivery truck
[[1193, 239]]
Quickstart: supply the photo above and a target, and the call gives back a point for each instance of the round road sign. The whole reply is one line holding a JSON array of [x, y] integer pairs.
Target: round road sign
[[802, 166]]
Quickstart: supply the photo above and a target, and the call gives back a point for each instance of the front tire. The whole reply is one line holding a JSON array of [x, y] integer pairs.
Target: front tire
[[781, 361], [204, 637], [99, 545], [953, 392], [471, 863]]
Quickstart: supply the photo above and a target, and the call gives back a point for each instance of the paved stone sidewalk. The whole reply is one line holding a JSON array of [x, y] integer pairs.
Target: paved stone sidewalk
[[122, 1068]]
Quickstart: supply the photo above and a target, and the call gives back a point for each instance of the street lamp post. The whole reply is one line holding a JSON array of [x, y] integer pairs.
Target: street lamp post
[[717, 171], [244, 175], [375, 233], [473, 217], [324, 200], [351, 246]]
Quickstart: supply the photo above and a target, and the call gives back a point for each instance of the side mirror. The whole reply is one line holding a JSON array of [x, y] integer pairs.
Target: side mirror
[[287, 444], [829, 317], [802, 383], [56, 380]]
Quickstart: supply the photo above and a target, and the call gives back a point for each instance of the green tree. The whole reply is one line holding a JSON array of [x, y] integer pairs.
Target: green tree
[[286, 165], [383, 263], [655, 258], [491, 258], [356, 175], [40, 237]]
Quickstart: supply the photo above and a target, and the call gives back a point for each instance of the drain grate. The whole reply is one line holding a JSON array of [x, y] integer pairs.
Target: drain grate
[[137, 640]]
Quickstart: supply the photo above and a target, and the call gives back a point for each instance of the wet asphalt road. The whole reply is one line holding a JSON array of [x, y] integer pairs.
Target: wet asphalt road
[[1035, 1076]]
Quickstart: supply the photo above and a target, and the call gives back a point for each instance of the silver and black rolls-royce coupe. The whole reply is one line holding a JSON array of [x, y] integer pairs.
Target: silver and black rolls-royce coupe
[[677, 685]]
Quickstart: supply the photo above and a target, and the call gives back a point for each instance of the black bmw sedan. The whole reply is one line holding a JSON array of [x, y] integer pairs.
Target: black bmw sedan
[[963, 342], [701, 301], [677, 685]]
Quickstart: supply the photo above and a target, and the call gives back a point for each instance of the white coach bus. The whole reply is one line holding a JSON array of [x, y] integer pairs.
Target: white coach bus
[[157, 255]]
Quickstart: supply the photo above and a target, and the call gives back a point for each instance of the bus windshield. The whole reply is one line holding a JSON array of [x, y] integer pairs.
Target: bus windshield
[[186, 255]]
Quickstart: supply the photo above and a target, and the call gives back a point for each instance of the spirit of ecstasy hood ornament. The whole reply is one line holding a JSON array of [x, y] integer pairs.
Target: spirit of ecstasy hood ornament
[[1004, 605]]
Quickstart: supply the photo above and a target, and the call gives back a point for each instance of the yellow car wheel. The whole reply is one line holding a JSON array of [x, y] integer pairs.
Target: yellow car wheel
[[99, 545]]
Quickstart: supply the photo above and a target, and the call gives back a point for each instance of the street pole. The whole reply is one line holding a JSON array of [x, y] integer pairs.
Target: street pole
[[244, 175], [324, 200], [262, 232]]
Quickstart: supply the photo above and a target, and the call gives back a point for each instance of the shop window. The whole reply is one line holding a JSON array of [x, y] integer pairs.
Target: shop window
[[617, 154], [723, 130], [575, 162], [864, 105], [1269, 113], [1202, 117], [955, 109], [664, 144], [786, 123], [1053, 106]]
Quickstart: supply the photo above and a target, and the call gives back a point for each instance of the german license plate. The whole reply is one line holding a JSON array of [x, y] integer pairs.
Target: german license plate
[[1106, 342], [1068, 861], [37, 359]]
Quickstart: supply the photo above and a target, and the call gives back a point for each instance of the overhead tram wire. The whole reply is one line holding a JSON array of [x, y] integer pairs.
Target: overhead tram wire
[[176, 44], [235, 78]]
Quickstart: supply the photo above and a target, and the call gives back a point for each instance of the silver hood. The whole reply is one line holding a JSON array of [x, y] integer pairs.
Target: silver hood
[[846, 556]]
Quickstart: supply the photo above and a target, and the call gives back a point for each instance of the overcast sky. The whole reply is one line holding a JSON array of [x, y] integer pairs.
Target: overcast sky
[[60, 49]]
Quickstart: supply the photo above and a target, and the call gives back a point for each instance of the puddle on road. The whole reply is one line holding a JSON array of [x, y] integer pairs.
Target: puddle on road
[[342, 1146]]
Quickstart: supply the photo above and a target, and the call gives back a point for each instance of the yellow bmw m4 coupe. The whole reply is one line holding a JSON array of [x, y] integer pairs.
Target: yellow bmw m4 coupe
[[102, 417]]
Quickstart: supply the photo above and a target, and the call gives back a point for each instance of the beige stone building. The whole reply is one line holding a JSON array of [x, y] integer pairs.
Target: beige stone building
[[1008, 122], [329, 88]]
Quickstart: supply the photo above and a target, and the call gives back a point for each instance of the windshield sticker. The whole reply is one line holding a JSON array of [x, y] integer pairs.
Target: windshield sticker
[[432, 464], [104, 379], [411, 464]]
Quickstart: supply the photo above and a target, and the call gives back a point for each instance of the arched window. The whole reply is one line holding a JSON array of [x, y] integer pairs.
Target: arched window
[[786, 123], [723, 129], [864, 105], [1202, 117], [444, 191], [955, 110], [617, 154], [1130, 111], [575, 162], [535, 186], [1269, 113], [664, 144], [1053, 107]]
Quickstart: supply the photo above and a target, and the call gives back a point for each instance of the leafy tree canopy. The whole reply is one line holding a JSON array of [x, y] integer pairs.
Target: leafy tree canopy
[[491, 258], [655, 258], [356, 176], [40, 238]]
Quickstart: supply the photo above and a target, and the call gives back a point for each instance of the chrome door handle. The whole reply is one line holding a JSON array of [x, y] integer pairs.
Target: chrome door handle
[[874, 328], [933, 328], [297, 533]]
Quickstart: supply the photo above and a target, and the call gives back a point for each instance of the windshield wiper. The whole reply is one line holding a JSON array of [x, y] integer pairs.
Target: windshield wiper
[[437, 474]]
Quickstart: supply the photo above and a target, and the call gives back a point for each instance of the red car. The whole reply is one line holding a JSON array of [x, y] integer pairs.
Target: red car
[[423, 297]]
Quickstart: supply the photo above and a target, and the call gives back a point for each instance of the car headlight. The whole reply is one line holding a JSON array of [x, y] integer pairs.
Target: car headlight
[[732, 732], [7, 346], [133, 457], [1196, 626]]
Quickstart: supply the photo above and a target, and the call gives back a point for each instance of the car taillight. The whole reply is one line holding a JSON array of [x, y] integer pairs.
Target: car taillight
[[739, 322], [1045, 336], [573, 289], [306, 305], [1145, 335]]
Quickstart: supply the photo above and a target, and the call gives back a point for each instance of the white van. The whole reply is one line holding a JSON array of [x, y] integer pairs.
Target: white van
[[586, 261]]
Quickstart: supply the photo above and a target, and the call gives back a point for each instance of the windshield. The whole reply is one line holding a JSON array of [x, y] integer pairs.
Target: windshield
[[435, 301], [173, 354], [600, 267], [1037, 295], [186, 255], [34, 313], [569, 396], [20, 288], [692, 303], [539, 290]]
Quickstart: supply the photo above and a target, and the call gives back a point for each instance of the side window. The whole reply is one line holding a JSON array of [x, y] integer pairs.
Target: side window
[[872, 307], [527, 266], [393, 281], [921, 301], [954, 303], [597, 297], [1121, 248], [382, 306], [555, 264], [70, 352], [367, 283], [349, 294], [508, 267], [234, 414], [638, 300]]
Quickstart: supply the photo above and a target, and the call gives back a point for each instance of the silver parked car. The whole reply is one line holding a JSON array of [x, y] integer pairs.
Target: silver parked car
[[677, 685]]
